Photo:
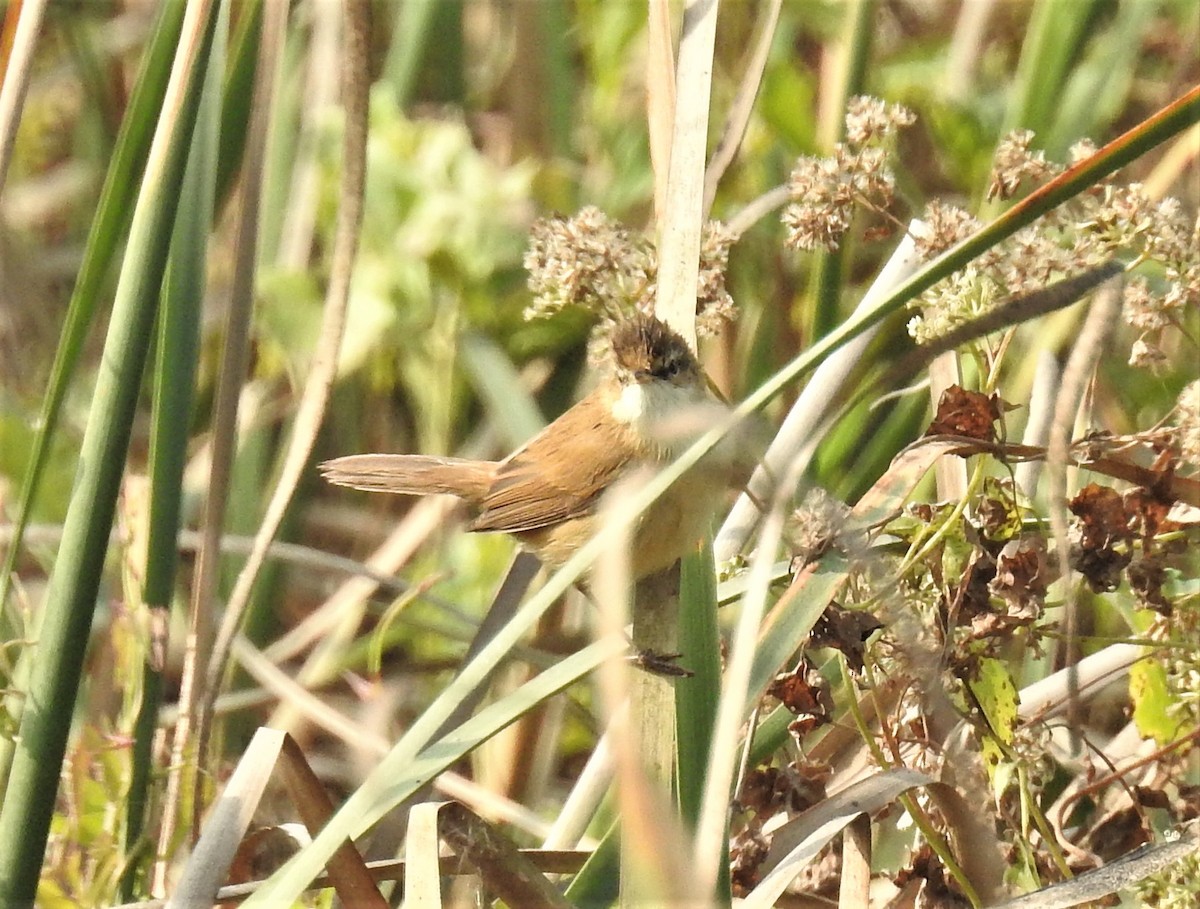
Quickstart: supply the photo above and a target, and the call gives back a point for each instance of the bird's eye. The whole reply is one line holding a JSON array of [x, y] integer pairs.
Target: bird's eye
[[667, 368]]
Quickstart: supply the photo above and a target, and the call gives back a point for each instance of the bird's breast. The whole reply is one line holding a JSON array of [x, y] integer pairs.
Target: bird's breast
[[663, 417]]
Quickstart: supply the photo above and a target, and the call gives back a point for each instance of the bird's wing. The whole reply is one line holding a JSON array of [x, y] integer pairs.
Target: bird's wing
[[559, 474]]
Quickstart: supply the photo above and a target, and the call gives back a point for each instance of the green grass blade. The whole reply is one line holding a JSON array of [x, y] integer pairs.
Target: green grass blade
[[596, 886], [74, 582], [403, 771], [1057, 31], [828, 266], [696, 697], [174, 386], [239, 88], [112, 219], [1099, 88], [414, 24]]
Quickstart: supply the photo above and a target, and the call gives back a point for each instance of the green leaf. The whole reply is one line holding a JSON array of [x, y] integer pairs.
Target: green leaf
[[996, 695], [1152, 702]]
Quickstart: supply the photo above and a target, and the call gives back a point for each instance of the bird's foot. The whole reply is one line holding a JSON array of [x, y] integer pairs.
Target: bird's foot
[[660, 663]]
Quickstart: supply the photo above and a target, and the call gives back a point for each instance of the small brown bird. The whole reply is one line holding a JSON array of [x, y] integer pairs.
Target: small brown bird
[[547, 493]]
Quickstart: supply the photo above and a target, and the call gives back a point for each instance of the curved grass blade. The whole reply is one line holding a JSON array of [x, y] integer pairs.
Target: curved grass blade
[[407, 768], [113, 212], [75, 580], [174, 384]]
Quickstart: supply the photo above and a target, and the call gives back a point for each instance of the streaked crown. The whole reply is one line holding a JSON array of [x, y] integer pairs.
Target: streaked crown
[[646, 348]]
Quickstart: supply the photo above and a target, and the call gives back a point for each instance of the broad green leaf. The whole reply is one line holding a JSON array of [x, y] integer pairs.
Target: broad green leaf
[[1152, 702]]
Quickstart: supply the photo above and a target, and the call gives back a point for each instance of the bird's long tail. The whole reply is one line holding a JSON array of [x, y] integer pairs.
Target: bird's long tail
[[411, 474]]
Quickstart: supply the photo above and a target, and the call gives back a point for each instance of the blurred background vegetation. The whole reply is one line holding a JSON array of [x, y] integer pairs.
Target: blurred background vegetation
[[484, 116]]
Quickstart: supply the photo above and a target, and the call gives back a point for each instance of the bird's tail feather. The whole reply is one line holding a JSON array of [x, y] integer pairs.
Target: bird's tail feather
[[411, 474]]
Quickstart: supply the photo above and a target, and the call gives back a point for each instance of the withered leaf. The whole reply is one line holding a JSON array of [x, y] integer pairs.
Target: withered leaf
[[793, 788], [966, 413], [971, 596], [760, 791], [804, 723], [803, 691], [1102, 516], [937, 890], [1102, 523], [1147, 513], [746, 855], [806, 783], [1188, 805], [1022, 575], [1101, 568], [1146, 578], [1118, 833], [1152, 797], [845, 630]]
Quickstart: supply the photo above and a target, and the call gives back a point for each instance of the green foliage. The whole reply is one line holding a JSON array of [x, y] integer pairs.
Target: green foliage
[[949, 602], [443, 235], [993, 690], [16, 446], [1152, 702]]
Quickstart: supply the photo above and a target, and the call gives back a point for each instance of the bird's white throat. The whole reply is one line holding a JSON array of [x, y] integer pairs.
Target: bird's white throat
[[655, 409]]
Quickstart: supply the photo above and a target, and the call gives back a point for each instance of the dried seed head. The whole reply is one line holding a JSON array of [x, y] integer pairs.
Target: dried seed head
[[1015, 161], [1187, 418], [714, 304], [873, 120], [589, 261], [824, 191], [1106, 221]]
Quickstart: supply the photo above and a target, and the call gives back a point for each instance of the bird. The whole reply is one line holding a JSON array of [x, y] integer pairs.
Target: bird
[[650, 405]]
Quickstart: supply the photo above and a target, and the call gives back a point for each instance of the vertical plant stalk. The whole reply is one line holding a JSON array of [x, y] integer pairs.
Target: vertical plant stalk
[[849, 74], [653, 846], [16, 78], [410, 39], [683, 219], [681, 222], [299, 222], [113, 211], [175, 378], [356, 91], [1094, 337], [75, 580], [966, 45], [660, 99], [742, 107], [233, 369], [855, 886], [1055, 35], [713, 825], [697, 698], [238, 95]]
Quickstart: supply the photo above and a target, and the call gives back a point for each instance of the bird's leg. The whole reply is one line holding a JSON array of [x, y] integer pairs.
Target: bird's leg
[[649, 660]]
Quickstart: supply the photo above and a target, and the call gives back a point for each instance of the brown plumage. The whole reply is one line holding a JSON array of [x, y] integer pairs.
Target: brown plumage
[[546, 493]]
